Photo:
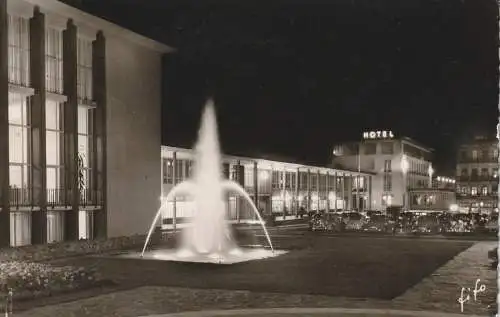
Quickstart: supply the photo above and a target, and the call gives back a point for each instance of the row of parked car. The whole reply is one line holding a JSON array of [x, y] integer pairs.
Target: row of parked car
[[343, 221], [403, 222]]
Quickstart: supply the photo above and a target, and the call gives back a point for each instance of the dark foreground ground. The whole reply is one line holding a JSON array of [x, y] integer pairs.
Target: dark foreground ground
[[360, 267]]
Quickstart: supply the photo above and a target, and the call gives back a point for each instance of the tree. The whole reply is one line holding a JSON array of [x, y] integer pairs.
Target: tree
[[81, 173]]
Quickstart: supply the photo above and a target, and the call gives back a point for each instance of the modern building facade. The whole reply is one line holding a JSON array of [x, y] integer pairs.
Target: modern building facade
[[477, 175], [79, 125], [440, 196], [432, 200], [399, 164], [281, 188]]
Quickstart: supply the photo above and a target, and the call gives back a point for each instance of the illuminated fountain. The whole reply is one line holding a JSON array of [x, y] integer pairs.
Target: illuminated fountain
[[208, 238]]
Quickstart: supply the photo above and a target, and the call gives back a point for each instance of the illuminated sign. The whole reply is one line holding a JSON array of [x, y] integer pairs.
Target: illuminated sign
[[378, 135]]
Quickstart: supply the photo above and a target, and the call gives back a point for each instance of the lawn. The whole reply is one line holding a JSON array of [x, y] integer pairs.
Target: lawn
[[381, 268]]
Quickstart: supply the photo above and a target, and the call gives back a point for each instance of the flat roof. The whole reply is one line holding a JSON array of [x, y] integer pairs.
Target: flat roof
[[91, 22], [401, 138], [417, 144], [261, 161]]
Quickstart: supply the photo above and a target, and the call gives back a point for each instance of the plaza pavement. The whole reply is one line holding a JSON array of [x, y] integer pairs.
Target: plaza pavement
[[437, 293]]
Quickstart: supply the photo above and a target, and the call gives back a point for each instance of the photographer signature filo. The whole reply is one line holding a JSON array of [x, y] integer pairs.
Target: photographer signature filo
[[465, 294]]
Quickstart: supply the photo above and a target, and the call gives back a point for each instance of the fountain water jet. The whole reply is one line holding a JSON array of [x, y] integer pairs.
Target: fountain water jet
[[209, 235]]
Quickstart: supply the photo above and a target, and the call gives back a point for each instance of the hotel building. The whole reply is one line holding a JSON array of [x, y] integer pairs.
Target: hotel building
[[281, 188], [399, 165], [80, 102], [477, 175]]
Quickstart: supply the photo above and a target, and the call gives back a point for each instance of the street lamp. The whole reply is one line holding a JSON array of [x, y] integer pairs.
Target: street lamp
[[430, 171], [404, 169], [453, 208]]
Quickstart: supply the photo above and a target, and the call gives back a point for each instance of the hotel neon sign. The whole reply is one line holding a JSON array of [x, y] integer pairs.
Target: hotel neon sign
[[372, 135]]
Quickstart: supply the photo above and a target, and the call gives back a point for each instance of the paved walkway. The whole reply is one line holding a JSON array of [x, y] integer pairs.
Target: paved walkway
[[437, 293], [441, 290]]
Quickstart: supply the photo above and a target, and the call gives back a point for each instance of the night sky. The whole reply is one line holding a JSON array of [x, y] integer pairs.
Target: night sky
[[291, 78]]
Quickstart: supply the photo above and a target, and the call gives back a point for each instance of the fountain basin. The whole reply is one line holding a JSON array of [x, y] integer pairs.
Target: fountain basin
[[233, 256]]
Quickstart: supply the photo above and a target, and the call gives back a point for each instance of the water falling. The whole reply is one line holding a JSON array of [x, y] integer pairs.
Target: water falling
[[209, 234]]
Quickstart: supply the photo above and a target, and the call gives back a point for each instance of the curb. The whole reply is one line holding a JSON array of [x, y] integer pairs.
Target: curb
[[299, 225], [315, 311]]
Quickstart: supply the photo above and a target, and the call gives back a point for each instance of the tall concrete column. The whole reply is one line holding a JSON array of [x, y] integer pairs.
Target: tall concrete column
[[272, 191], [70, 130], [318, 199], [349, 191], [308, 190], [38, 135], [335, 189], [226, 170], [241, 180], [4, 129], [357, 183], [99, 135], [327, 182], [174, 182], [344, 199], [296, 194], [370, 198], [256, 185], [283, 191]]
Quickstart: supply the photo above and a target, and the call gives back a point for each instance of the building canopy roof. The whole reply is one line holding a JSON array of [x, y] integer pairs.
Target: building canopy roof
[[91, 22]]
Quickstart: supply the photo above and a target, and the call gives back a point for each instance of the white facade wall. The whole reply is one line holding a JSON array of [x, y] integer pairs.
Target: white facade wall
[[133, 136]]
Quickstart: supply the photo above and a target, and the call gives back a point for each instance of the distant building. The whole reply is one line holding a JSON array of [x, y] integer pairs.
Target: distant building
[[477, 175], [399, 164], [281, 188]]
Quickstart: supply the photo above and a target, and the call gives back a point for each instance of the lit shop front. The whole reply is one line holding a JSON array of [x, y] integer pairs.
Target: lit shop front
[[428, 200]]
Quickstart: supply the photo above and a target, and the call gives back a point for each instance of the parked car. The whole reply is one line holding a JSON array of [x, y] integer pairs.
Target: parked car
[[376, 223], [316, 222], [353, 220], [326, 221], [492, 225]]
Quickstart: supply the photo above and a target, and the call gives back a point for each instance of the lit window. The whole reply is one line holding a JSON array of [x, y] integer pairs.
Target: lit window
[[18, 140], [53, 60], [484, 191], [84, 74], [474, 154], [168, 171], [386, 200], [19, 47]]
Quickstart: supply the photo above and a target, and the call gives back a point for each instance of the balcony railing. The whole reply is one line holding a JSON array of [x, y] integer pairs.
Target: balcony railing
[[419, 173], [23, 197], [59, 198], [477, 196], [477, 178], [90, 198], [20, 197], [487, 159]]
